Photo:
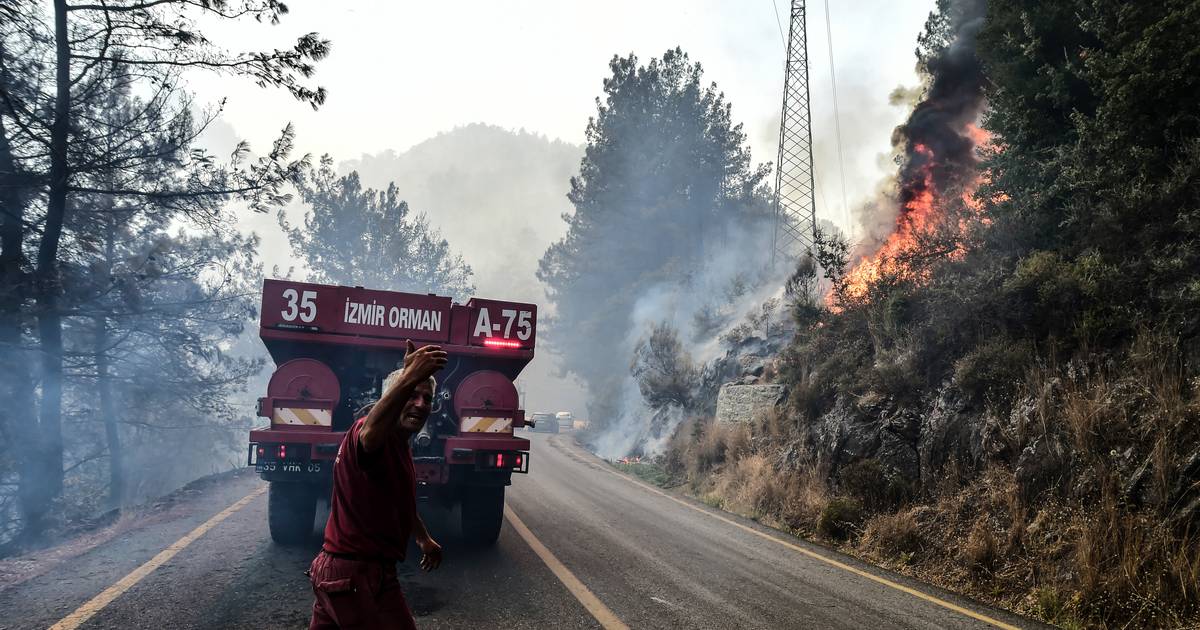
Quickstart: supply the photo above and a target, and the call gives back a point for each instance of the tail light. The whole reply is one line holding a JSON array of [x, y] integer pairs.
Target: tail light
[[514, 461], [280, 452]]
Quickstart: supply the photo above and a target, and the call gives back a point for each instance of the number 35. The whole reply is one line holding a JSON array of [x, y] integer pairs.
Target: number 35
[[307, 308]]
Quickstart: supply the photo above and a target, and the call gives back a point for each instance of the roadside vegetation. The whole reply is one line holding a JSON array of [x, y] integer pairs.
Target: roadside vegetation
[[1010, 405]]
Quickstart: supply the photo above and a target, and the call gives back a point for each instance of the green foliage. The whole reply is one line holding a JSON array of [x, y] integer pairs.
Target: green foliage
[[1097, 188], [365, 237], [665, 373], [646, 471]]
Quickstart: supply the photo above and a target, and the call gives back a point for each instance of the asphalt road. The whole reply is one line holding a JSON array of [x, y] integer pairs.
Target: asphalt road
[[621, 552]]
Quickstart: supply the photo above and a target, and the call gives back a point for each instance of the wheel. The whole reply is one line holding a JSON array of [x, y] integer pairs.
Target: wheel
[[291, 510], [482, 514]]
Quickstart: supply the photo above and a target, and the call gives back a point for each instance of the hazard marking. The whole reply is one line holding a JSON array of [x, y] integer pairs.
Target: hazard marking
[[309, 417], [476, 424]]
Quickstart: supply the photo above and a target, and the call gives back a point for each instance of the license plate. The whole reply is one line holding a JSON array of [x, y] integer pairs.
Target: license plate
[[289, 467]]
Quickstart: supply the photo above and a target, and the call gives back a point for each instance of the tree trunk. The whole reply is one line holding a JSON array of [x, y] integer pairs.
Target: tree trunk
[[48, 451], [108, 413], [16, 381]]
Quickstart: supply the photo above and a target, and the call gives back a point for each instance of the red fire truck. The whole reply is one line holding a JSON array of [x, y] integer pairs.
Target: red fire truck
[[332, 348]]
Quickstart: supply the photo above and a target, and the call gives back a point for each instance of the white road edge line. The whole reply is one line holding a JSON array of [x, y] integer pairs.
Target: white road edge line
[[585, 596], [812, 554], [97, 603]]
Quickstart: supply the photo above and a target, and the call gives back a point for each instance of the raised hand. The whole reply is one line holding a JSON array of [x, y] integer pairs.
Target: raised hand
[[424, 362]]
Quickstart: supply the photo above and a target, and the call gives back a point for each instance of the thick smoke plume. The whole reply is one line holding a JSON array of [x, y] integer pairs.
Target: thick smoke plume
[[936, 146]]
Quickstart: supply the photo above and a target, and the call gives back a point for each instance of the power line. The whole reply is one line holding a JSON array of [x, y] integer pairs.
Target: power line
[[782, 37], [837, 120]]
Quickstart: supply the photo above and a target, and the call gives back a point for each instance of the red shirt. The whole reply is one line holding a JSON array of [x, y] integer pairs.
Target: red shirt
[[374, 498]]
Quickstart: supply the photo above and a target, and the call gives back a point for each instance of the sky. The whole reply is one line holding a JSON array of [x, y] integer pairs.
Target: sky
[[400, 72]]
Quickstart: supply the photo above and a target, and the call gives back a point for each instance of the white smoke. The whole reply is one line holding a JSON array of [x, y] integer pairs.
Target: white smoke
[[744, 256]]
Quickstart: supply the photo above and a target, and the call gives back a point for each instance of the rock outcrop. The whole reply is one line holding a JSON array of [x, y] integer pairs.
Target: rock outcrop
[[743, 403]]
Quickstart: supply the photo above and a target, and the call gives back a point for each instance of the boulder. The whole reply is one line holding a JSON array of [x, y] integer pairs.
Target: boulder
[[945, 434], [742, 403], [1041, 465]]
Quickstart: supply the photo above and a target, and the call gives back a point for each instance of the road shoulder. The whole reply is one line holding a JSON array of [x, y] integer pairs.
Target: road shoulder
[[931, 593]]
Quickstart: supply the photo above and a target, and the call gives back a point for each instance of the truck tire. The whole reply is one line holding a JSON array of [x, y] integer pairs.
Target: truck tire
[[291, 510], [482, 514]]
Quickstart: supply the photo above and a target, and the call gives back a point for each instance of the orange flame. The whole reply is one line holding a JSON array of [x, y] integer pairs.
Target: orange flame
[[919, 215]]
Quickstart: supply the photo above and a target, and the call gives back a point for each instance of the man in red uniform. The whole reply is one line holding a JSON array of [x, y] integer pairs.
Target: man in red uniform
[[374, 507]]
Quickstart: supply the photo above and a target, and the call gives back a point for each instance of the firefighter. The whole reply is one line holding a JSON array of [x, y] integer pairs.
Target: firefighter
[[374, 507]]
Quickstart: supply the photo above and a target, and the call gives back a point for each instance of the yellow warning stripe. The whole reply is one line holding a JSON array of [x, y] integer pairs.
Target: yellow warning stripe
[[297, 415], [582, 593], [812, 554], [97, 603], [475, 424]]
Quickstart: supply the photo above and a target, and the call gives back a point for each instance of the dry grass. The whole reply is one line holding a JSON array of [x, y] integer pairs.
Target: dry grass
[[893, 534], [1108, 542]]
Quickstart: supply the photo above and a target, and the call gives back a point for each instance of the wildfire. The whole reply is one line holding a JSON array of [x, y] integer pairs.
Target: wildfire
[[922, 209]]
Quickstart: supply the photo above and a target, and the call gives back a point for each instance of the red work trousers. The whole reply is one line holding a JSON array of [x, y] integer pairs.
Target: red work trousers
[[357, 594]]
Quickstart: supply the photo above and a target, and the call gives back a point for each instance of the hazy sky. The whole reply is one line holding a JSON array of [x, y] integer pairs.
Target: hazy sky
[[402, 71]]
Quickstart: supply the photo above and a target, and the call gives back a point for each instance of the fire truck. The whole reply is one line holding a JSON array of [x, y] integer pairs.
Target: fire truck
[[334, 345]]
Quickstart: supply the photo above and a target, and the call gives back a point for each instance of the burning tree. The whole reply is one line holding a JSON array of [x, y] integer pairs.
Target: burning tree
[[938, 153]]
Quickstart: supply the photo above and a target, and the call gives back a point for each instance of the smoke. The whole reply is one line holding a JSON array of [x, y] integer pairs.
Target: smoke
[[497, 196], [936, 146], [731, 284]]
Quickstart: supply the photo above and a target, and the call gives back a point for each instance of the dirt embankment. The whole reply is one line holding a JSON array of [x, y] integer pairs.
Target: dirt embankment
[[1080, 507]]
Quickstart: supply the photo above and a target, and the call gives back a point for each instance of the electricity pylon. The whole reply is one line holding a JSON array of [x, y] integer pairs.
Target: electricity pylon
[[795, 202]]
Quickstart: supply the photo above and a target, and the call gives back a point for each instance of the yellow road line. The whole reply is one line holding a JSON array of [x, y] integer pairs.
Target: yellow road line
[[585, 596], [816, 556], [97, 603]]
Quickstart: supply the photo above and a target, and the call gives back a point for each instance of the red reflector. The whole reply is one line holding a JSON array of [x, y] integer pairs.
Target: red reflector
[[518, 464], [283, 451], [499, 460], [501, 343], [262, 450]]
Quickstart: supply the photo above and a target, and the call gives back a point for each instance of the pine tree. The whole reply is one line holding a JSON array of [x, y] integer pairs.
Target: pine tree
[[665, 176], [365, 237]]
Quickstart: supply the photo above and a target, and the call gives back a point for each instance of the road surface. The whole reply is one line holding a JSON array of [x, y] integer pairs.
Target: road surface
[[583, 547]]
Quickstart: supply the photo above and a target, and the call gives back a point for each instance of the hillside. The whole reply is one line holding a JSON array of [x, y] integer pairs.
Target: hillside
[[1002, 395]]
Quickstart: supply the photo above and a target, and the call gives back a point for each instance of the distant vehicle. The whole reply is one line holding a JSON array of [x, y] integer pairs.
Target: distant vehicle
[[565, 419], [544, 423]]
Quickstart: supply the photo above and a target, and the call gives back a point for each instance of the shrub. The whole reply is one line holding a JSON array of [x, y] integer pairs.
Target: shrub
[[993, 370], [840, 518], [981, 548], [893, 534], [875, 489], [716, 444]]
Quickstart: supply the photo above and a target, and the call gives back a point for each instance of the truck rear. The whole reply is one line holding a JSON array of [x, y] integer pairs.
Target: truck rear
[[333, 346]]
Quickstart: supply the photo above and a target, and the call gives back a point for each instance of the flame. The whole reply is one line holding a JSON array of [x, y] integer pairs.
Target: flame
[[920, 213]]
